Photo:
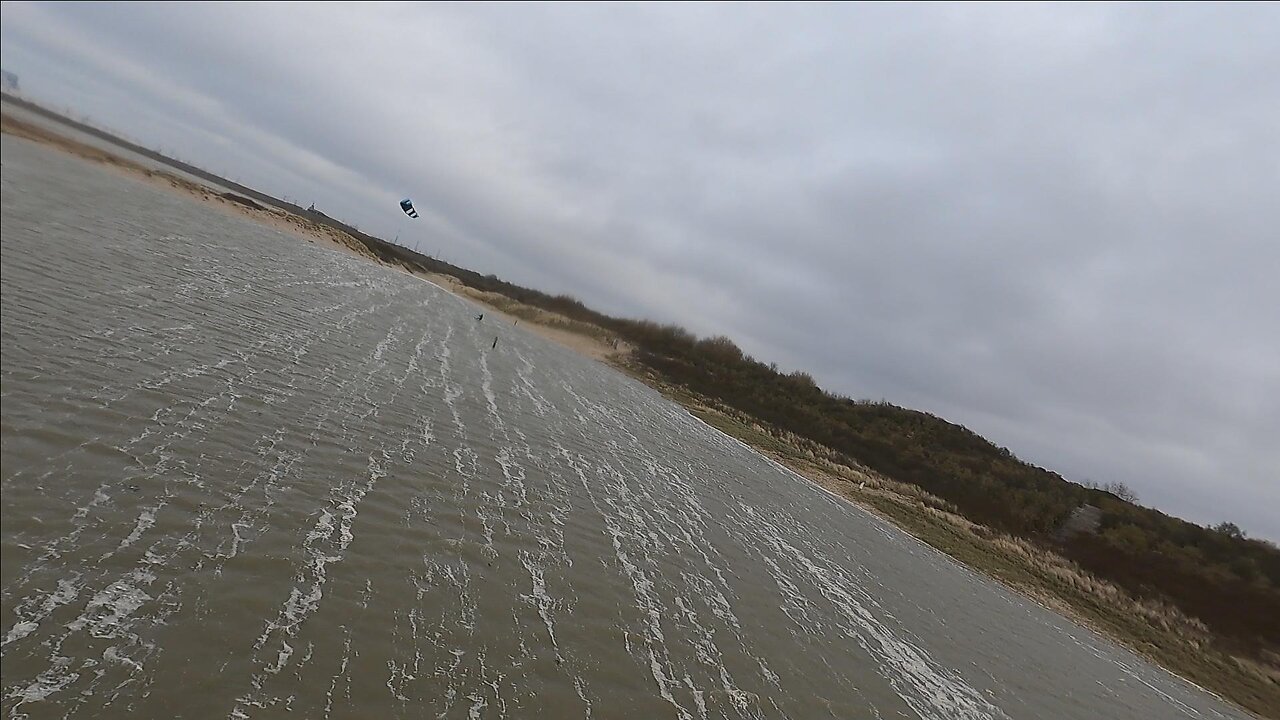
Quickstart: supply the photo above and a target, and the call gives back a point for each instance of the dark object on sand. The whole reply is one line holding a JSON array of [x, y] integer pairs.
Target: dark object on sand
[[495, 343], [241, 200], [480, 316]]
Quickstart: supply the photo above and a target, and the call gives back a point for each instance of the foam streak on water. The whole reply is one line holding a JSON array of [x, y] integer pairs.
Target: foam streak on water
[[248, 477]]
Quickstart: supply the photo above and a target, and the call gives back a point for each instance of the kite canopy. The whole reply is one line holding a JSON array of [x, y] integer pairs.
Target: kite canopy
[[407, 206]]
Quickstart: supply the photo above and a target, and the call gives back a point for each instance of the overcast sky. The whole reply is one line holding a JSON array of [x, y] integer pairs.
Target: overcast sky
[[1058, 225]]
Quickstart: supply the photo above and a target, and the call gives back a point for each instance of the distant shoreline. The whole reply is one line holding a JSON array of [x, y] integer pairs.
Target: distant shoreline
[[590, 345], [1174, 641]]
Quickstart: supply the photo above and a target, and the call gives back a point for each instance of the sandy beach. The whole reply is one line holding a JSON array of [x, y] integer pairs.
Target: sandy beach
[[589, 341]]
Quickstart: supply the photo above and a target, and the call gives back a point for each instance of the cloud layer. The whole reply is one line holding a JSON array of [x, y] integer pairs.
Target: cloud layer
[[1054, 224]]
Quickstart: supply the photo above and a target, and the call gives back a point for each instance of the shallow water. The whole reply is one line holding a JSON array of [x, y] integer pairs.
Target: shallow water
[[248, 477]]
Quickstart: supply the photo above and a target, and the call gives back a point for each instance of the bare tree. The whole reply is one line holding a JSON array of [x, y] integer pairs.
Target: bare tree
[[1119, 489], [1229, 529]]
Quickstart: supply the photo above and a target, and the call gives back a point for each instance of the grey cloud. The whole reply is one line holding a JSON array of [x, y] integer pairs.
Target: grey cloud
[[1054, 224]]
